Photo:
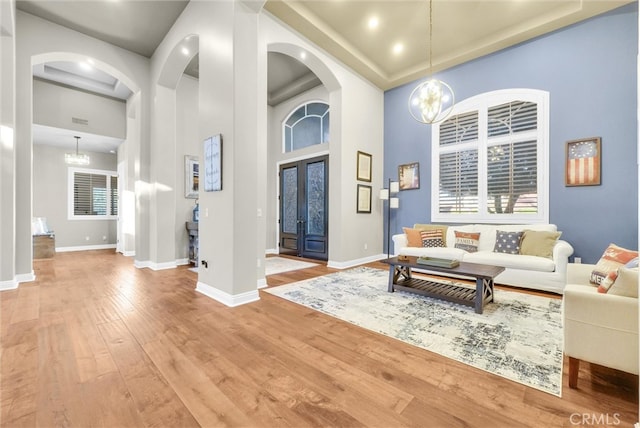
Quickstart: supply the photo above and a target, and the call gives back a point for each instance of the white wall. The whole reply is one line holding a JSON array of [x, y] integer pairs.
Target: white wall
[[55, 105], [277, 114], [7, 145], [356, 124], [188, 143], [50, 189], [39, 41]]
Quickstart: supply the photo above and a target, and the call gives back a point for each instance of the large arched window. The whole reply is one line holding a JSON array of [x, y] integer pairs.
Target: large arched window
[[306, 126]]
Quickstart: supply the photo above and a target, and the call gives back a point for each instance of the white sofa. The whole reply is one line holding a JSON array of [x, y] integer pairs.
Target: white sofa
[[539, 273], [598, 328]]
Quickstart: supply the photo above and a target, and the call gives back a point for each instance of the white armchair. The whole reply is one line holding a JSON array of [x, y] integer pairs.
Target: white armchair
[[598, 328]]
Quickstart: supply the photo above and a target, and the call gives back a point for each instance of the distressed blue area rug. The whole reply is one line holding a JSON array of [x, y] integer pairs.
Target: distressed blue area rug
[[518, 337]]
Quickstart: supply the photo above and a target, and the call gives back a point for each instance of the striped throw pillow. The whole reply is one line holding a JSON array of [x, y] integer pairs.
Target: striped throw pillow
[[432, 238]]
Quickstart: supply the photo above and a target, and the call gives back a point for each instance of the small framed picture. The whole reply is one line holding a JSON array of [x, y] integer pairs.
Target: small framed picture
[[191, 177], [213, 163], [364, 167], [583, 160], [364, 199], [409, 176]]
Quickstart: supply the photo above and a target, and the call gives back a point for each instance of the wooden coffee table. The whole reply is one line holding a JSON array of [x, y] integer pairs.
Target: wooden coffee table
[[400, 279]]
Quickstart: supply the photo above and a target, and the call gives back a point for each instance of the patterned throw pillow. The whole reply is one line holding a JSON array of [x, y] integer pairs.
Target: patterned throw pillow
[[613, 258], [432, 238], [507, 242], [467, 241]]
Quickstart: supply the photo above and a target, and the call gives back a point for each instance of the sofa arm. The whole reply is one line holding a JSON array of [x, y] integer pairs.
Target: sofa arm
[[601, 328], [579, 273], [399, 241]]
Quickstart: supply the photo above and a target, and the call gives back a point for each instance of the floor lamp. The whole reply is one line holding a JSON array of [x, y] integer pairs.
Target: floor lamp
[[393, 202]]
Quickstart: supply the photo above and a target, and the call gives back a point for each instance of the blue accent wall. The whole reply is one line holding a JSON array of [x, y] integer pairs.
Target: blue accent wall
[[589, 70]]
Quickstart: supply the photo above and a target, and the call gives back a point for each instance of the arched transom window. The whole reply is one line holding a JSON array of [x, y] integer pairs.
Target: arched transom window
[[306, 126]]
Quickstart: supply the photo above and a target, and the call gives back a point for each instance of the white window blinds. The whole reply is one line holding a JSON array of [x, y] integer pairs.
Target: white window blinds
[[92, 194], [489, 159]]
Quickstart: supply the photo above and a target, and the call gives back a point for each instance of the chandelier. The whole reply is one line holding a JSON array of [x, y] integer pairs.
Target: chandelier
[[432, 100], [76, 158]]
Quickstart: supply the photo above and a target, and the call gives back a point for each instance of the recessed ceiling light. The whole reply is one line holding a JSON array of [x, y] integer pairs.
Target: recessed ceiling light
[[185, 51], [398, 48], [85, 65], [373, 22], [303, 55]]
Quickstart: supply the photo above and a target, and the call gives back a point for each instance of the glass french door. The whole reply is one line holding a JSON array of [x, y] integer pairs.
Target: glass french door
[[304, 214]]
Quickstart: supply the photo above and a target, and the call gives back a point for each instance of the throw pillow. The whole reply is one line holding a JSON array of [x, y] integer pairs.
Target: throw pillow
[[467, 241], [428, 226], [612, 258], [414, 239], [432, 238], [626, 284], [507, 242], [611, 277], [538, 243]]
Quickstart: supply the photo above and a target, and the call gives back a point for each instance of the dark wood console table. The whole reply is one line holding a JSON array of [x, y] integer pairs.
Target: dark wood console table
[[401, 279]]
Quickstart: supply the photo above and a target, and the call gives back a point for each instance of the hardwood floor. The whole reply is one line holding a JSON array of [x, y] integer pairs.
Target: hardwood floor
[[96, 342]]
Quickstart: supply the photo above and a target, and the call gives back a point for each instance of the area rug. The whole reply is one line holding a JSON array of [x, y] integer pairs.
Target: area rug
[[273, 265], [518, 337]]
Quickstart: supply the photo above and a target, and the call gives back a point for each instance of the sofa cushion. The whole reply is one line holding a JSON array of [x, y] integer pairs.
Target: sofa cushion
[[414, 238], [538, 243], [467, 241], [432, 238], [507, 242], [626, 284], [612, 258], [513, 261]]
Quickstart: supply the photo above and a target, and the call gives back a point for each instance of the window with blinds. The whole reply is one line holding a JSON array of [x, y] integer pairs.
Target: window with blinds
[[92, 194], [490, 159]]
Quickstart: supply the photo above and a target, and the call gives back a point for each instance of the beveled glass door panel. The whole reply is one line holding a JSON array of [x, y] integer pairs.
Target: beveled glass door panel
[[304, 208]]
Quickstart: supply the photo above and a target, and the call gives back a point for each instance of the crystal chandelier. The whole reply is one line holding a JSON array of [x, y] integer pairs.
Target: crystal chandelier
[[76, 158], [432, 100]]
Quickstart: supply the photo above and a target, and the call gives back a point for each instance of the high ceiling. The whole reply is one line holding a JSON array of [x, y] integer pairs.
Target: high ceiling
[[392, 52], [462, 30]]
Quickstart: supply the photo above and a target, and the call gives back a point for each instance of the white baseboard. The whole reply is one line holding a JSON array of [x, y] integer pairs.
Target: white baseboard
[[85, 248], [226, 298], [356, 262], [141, 264], [128, 253], [262, 283], [26, 277], [182, 262], [11, 284], [271, 251]]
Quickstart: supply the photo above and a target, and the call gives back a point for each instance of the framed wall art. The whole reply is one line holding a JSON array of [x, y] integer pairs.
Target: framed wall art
[[364, 199], [364, 167], [583, 162], [191, 177], [213, 163], [409, 176]]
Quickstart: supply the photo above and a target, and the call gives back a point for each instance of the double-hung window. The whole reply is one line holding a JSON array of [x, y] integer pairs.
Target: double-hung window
[[490, 160], [93, 194]]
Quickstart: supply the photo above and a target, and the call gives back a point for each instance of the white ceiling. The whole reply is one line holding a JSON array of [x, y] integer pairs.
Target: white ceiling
[[462, 30], [64, 138]]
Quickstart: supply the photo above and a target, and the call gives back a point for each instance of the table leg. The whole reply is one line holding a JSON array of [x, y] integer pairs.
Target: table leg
[[484, 288], [392, 275]]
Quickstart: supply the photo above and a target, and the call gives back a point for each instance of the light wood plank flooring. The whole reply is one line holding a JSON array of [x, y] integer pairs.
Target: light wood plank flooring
[[96, 342]]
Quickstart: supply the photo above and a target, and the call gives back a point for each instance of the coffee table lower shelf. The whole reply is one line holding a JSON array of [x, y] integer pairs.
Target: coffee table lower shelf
[[451, 293]]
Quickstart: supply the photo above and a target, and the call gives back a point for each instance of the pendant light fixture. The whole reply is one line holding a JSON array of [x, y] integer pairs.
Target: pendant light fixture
[[432, 100], [76, 158]]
